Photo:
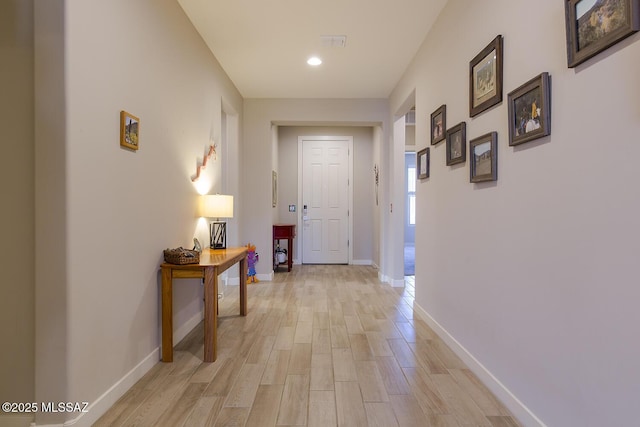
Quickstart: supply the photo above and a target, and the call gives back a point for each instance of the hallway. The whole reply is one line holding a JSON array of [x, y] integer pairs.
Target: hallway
[[320, 346]]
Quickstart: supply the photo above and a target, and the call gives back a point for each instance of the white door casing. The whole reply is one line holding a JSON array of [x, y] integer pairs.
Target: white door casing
[[325, 199]]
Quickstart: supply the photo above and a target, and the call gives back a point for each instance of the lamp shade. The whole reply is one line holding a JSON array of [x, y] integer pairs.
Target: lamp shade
[[216, 206]]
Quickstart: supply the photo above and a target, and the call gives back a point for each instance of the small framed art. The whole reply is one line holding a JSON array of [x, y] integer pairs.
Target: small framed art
[[485, 78], [530, 110], [129, 130], [438, 124], [593, 26], [484, 158], [274, 188], [423, 158], [457, 144]]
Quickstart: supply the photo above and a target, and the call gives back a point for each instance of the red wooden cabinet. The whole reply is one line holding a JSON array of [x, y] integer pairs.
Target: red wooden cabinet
[[282, 232]]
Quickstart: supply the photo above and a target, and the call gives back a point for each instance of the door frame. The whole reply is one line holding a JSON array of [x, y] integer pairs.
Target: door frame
[[299, 224]]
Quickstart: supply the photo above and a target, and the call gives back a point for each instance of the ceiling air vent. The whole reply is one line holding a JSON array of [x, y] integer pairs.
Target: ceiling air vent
[[333, 41]]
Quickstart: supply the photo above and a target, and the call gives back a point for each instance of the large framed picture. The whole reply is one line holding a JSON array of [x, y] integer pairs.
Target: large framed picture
[[485, 78], [423, 158], [438, 124], [129, 130], [595, 25], [530, 110], [484, 158], [457, 144]]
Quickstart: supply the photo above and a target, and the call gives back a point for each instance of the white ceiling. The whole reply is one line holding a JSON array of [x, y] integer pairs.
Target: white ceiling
[[263, 45]]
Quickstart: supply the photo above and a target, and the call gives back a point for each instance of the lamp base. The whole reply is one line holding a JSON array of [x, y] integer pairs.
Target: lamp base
[[218, 235]]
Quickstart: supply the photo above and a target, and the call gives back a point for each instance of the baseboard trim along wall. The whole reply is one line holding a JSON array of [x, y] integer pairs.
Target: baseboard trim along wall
[[361, 262], [519, 410], [397, 283], [102, 404], [235, 281]]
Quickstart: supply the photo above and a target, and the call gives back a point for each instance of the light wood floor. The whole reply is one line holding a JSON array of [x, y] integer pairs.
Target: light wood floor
[[320, 346]]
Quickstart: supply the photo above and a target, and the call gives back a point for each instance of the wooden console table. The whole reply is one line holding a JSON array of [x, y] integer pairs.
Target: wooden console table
[[212, 263], [284, 231]]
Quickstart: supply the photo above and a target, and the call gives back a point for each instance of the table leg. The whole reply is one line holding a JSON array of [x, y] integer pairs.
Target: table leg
[[243, 286], [210, 314], [167, 315], [290, 254]]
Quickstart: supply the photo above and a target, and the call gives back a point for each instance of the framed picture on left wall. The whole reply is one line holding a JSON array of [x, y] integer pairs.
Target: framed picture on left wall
[[274, 188], [129, 130]]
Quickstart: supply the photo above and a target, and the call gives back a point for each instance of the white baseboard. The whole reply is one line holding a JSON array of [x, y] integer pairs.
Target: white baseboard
[[517, 408], [98, 408], [265, 277], [382, 277], [235, 281], [361, 262], [395, 283]]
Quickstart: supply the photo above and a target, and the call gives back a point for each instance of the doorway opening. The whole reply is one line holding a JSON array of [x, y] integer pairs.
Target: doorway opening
[[410, 214]]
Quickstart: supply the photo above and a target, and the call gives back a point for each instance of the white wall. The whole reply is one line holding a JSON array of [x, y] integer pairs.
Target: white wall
[[363, 196], [51, 196], [536, 275], [410, 136], [17, 219], [259, 115], [117, 209]]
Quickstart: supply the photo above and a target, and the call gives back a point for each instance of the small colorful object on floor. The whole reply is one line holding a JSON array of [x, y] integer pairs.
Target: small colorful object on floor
[[252, 259]]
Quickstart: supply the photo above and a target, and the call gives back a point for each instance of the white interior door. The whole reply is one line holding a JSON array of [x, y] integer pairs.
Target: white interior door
[[325, 200]]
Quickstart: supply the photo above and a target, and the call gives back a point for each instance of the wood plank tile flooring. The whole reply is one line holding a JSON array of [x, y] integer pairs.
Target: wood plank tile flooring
[[320, 346]]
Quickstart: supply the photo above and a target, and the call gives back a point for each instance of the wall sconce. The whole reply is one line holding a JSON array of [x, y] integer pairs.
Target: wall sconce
[[217, 206]]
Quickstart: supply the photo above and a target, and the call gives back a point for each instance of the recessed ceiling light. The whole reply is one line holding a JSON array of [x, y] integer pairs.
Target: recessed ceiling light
[[314, 60]]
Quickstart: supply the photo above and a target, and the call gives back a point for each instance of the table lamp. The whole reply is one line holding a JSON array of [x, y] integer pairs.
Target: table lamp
[[217, 206]]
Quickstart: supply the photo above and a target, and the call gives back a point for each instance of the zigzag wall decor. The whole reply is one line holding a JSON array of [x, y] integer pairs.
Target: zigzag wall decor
[[212, 152]]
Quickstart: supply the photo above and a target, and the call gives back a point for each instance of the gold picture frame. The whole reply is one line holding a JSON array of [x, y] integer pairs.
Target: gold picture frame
[[274, 189], [129, 130]]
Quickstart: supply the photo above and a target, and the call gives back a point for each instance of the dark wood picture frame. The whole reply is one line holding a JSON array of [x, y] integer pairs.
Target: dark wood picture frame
[[530, 110], [483, 155], [485, 78], [129, 131], [591, 28], [438, 124], [423, 158], [457, 144]]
